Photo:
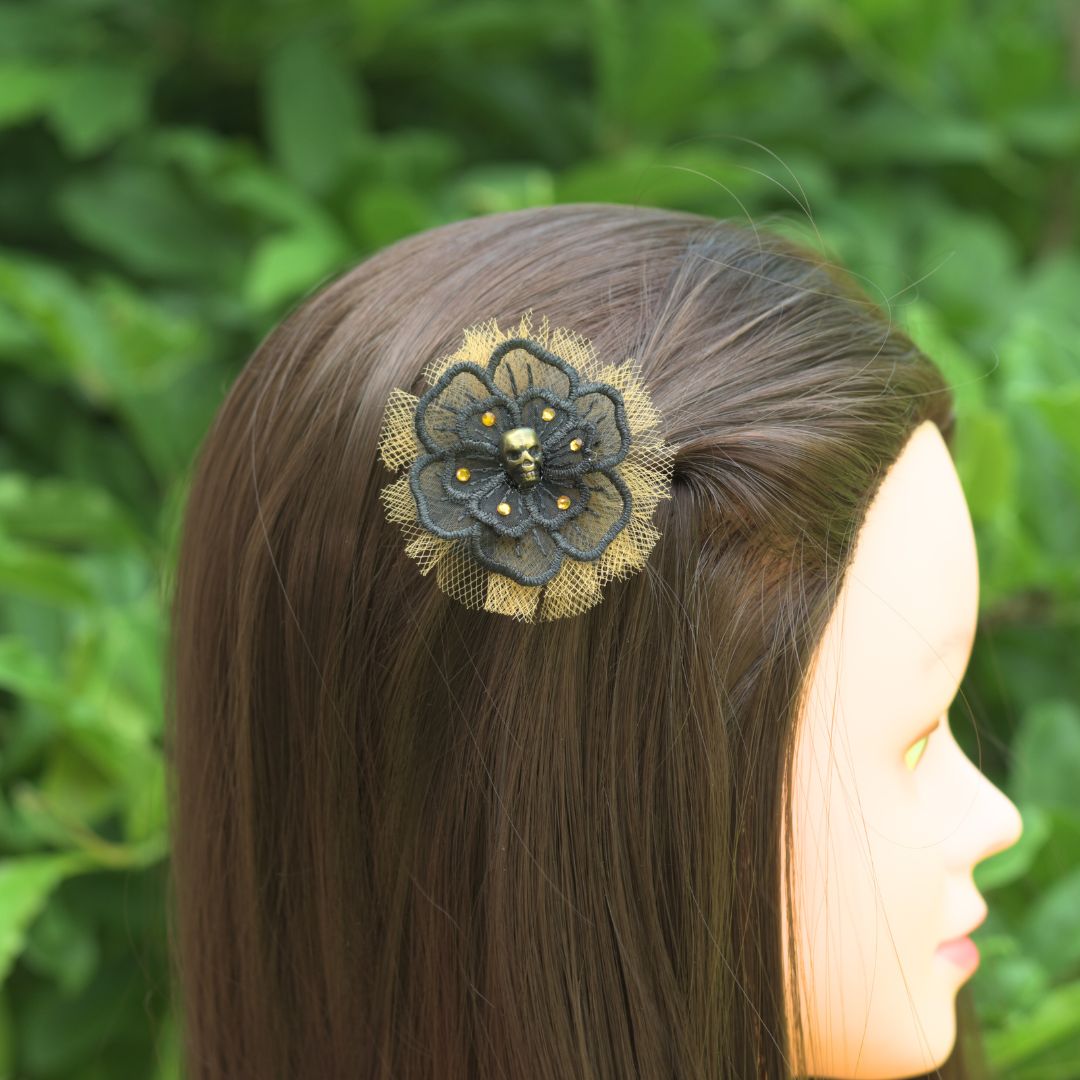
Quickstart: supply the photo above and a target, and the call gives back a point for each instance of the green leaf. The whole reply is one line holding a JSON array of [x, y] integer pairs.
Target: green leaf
[[986, 462], [383, 213], [115, 700], [865, 233], [890, 131], [62, 946], [313, 110], [64, 512], [1051, 931], [1047, 502], [492, 189], [46, 299], [25, 885], [1047, 750], [24, 672], [689, 177], [25, 571], [967, 378], [150, 344], [655, 65], [1059, 410], [1008, 981], [1055, 1020], [168, 1050], [7, 1035], [93, 104], [1051, 128], [50, 826], [76, 788], [60, 1036], [41, 29], [290, 263], [25, 91], [266, 195], [144, 218], [146, 808], [975, 265], [1038, 351], [17, 336]]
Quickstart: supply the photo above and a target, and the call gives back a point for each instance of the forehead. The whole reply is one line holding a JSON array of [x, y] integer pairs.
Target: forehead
[[905, 620], [520, 436]]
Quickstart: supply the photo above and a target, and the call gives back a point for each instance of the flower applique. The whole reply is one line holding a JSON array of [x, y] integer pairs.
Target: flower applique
[[533, 471]]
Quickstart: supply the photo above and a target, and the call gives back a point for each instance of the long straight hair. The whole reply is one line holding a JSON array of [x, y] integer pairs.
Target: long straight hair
[[411, 839]]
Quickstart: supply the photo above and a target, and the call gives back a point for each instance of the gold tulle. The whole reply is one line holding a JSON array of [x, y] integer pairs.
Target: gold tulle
[[647, 471]]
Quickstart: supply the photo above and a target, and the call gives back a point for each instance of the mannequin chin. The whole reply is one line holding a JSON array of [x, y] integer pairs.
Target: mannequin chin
[[885, 846]]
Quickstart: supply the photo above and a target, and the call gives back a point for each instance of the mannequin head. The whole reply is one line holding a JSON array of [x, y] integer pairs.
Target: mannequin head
[[415, 839], [889, 822]]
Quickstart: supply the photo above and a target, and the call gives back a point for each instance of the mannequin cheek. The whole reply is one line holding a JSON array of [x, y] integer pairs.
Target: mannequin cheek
[[889, 847], [867, 914]]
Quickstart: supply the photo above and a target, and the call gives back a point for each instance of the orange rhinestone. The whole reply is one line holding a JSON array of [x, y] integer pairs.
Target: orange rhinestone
[[488, 418], [575, 445], [548, 413], [562, 502], [503, 508], [463, 474]]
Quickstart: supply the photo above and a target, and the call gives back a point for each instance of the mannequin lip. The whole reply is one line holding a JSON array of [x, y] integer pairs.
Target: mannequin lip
[[962, 951]]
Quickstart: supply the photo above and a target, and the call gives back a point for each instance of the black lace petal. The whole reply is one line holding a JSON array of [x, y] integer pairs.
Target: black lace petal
[[562, 460], [531, 559], [474, 434], [443, 516], [603, 407], [450, 411], [543, 505], [532, 404], [585, 536], [484, 472], [518, 364], [486, 510]]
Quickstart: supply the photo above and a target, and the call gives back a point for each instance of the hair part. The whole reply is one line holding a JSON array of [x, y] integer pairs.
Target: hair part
[[416, 840]]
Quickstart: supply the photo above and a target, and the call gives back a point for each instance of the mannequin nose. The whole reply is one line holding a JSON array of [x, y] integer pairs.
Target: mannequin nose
[[1012, 823], [976, 818], [1003, 824]]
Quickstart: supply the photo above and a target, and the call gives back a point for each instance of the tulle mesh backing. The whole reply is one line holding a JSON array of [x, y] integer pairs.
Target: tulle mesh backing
[[646, 470]]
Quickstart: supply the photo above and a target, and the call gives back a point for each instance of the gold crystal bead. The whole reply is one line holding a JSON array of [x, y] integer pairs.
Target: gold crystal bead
[[562, 502], [488, 418], [463, 474], [503, 508], [548, 413], [575, 445]]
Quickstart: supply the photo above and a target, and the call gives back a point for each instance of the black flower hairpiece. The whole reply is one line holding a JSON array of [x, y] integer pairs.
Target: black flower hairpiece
[[534, 471]]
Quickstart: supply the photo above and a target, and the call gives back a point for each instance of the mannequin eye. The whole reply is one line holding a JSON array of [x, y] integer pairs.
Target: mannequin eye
[[912, 756], [914, 753]]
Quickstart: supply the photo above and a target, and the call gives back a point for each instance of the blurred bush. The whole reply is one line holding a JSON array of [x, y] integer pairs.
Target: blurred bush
[[176, 174]]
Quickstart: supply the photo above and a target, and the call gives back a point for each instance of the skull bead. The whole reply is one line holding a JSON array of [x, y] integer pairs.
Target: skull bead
[[522, 456]]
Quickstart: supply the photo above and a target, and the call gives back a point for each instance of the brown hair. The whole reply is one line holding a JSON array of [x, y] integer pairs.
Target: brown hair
[[416, 840]]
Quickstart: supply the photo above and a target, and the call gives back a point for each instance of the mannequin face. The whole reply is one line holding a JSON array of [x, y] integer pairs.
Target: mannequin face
[[885, 846]]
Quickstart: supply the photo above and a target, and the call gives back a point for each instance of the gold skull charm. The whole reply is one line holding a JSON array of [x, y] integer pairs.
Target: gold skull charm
[[522, 456]]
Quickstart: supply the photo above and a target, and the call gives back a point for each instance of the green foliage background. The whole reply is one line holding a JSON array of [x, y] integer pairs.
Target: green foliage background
[[175, 174]]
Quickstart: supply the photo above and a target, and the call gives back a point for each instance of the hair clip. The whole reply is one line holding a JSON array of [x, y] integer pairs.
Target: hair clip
[[533, 471]]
